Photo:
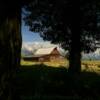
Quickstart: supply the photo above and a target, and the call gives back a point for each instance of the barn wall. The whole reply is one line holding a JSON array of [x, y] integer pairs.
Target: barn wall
[[45, 58]]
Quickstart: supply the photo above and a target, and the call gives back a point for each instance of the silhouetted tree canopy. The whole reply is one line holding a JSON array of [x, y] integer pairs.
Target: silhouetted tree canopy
[[72, 24], [54, 20]]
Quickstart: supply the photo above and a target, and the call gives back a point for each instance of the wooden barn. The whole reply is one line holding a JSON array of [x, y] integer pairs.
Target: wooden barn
[[45, 55]]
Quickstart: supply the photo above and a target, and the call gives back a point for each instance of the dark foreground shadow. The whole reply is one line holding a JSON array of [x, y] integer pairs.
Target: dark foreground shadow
[[40, 82]]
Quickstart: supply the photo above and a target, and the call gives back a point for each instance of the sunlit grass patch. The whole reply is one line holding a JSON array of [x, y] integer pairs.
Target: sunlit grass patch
[[86, 65], [91, 66], [63, 63]]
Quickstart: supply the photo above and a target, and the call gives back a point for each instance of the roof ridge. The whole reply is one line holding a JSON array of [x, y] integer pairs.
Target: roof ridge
[[46, 48]]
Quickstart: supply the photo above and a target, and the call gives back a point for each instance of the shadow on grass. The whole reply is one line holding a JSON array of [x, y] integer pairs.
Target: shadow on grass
[[40, 82]]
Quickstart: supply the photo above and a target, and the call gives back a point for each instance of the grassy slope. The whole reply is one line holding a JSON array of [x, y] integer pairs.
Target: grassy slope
[[41, 82]]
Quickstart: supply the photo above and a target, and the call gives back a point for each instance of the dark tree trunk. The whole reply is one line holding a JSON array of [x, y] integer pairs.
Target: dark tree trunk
[[15, 42], [75, 55], [10, 43], [75, 51], [75, 46]]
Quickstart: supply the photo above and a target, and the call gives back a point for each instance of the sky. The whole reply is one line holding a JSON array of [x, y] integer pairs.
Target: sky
[[28, 36]]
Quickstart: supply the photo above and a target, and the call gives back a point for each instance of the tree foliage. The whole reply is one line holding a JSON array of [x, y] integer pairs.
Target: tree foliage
[[54, 20], [72, 24]]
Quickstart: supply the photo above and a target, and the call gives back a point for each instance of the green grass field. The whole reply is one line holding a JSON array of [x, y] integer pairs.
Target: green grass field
[[92, 66], [52, 64], [51, 81]]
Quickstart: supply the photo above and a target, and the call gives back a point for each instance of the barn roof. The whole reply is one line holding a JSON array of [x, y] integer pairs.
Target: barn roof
[[44, 51]]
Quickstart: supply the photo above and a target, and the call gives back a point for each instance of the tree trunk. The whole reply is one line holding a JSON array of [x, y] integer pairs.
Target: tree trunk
[[15, 51], [75, 46], [75, 52], [10, 43], [75, 58]]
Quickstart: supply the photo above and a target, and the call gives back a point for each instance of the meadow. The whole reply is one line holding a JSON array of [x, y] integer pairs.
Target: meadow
[[63, 63], [39, 81], [86, 65]]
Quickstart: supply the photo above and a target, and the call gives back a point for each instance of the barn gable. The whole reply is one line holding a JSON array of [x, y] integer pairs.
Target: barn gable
[[55, 51]]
